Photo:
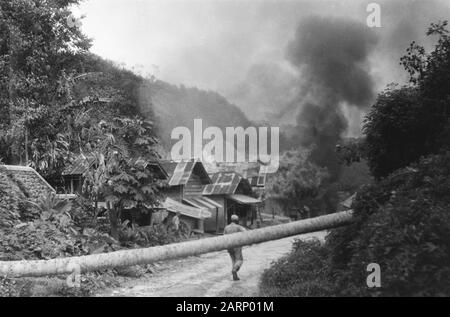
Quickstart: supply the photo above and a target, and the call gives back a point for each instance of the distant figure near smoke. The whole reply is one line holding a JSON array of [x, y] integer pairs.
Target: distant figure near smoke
[[332, 57]]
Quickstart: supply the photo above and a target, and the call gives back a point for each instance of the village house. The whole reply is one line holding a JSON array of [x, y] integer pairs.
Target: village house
[[205, 202], [257, 177], [184, 194], [28, 182], [69, 185], [71, 180], [254, 172], [233, 192]]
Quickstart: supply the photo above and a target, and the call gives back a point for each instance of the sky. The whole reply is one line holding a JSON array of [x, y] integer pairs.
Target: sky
[[238, 48]]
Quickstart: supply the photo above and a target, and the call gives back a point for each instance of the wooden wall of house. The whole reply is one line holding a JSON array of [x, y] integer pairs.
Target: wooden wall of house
[[217, 220], [67, 184], [191, 222], [194, 186]]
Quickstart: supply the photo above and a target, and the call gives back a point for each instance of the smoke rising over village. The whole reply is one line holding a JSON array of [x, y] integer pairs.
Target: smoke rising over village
[[245, 50], [332, 56]]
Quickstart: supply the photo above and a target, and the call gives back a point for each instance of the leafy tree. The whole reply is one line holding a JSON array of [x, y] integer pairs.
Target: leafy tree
[[123, 150], [36, 45], [299, 182], [57, 100], [401, 223], [351, 151], [395, 130], [412, 121]]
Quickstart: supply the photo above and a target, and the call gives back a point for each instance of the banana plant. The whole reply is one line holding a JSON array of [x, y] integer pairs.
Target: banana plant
[[54, 209]]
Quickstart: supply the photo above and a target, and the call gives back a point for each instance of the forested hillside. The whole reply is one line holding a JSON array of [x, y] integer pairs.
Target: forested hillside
[[175, 106], [55, 96]]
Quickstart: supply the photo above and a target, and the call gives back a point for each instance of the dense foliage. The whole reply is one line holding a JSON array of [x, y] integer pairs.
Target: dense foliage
[[302, 186], [403, 224], [297, 178], [402, 221], [409, 122], [36, 47], [299, 183], [304, 272], [59, 102]]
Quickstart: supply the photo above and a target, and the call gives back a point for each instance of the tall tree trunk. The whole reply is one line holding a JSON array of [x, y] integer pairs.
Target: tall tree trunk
[[12, 44], [166, 252], [26, 145], [114, 222]]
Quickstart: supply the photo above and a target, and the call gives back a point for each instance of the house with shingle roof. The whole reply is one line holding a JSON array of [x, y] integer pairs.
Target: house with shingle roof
[[254, 172], [32, 185], [234, 193], [70, 182], [186, 180]]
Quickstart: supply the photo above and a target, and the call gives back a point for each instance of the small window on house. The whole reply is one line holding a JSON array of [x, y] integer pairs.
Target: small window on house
[[262, 180]]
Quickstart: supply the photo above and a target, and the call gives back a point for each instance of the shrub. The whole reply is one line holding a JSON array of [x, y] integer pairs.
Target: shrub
[[403, 224], [145, 236], [397, 130], [354, 176], [301, 273], [408, 123]]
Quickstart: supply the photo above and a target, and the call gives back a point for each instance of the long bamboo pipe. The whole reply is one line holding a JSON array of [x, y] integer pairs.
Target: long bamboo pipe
[[120, 258]]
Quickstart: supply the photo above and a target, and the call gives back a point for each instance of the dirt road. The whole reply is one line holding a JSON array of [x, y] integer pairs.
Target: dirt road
[[209, 274]]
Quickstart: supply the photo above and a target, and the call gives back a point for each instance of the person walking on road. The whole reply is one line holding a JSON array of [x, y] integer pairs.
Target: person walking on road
[[235, 253]]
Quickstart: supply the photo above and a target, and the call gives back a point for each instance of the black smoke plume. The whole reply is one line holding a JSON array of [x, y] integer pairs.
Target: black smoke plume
[[332, 57]]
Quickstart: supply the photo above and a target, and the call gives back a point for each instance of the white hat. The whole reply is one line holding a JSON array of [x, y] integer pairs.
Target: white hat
[[234, 218]]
